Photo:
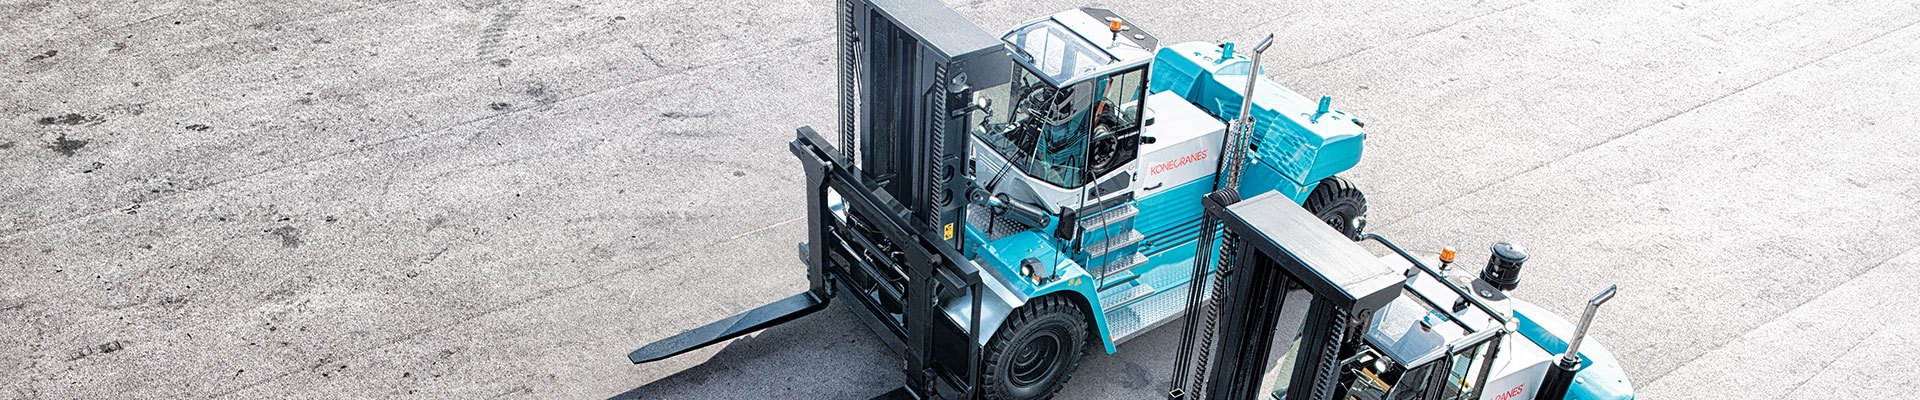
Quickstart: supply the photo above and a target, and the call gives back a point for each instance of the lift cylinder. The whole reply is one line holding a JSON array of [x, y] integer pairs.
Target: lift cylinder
[[1559, 378]]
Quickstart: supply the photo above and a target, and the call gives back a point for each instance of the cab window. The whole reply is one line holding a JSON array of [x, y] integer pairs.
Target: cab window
[[1116, 131], [1041, 129]]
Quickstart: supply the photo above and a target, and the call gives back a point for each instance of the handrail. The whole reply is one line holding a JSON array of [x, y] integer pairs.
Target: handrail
[[1464, 293]]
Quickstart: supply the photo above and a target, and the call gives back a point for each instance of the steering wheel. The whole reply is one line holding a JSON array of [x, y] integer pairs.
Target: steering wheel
[[1048, 105], [1104, 147]]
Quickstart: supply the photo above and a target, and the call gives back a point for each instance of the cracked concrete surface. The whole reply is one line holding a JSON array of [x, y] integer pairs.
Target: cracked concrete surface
[[500, 198]]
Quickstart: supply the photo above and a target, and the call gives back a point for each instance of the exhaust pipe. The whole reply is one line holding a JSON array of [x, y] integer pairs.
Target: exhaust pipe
[[1560, 377], [1235, 145]]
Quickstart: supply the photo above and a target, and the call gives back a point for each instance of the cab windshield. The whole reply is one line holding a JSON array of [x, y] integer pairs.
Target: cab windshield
[[1041, 133], [1065, 136]]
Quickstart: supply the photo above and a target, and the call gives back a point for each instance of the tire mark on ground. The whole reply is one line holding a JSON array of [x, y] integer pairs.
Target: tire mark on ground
[[495, 35], [1836, 357], [372, 144], [108, 35], [665, 257], [446, 130]]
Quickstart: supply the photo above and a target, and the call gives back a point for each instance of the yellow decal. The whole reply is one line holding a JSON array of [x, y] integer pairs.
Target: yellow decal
[[949, 231], [1074, 282]]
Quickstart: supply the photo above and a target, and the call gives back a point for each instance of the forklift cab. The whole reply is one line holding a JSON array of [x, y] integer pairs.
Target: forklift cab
[[1425, 344], [1071, 110]]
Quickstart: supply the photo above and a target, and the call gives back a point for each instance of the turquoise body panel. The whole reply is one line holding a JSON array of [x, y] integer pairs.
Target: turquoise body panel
[[1601, 376], [1297, 138], [1003, 257], [1171, 216]]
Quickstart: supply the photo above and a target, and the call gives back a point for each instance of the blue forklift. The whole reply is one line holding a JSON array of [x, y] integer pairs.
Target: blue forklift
[[996, 204]]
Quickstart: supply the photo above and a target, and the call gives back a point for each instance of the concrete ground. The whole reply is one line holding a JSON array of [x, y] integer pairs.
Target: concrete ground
[[500, 198]]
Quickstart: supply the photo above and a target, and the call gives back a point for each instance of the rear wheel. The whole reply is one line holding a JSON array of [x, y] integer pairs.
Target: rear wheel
[[1341, 205], [1035, 351]]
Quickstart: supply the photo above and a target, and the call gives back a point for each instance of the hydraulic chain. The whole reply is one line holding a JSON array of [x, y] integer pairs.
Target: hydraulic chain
[[1211, 318], [849, 93]]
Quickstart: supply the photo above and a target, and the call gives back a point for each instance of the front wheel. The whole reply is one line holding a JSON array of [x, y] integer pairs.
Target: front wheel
[[1035, 351], [1341, 205]]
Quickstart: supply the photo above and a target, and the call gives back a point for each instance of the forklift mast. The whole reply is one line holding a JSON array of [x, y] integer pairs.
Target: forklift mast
[[907, 73], [887, 231]]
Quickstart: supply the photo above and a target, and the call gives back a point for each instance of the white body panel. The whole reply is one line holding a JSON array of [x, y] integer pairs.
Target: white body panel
[[1517, 371], [1186, 144], [1018, 184]]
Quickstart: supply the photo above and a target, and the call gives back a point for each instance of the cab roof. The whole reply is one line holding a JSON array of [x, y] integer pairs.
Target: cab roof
[[1075, 45], [1413, 332]]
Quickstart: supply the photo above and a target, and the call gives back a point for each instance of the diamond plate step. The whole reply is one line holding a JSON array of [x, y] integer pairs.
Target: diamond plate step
[[1122, 264], [1122, 296], [1108, 217], [1129, 321], [1118, 279], [1127, 238]]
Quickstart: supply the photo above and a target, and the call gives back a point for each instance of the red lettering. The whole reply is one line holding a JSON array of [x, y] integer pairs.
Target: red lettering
[[1510, 394], [1178, 162]]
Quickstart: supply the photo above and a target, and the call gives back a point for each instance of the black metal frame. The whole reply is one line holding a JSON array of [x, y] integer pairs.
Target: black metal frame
[[1251, 285], [897, 274], [1224, 353], [1228, 340]]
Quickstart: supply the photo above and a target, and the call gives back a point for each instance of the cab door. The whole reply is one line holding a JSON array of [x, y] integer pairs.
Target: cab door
[[1114, 143], [1109, 243]]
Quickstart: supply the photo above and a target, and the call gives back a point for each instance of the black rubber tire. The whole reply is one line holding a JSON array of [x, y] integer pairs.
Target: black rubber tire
[[1035, 351], [1341, 205]]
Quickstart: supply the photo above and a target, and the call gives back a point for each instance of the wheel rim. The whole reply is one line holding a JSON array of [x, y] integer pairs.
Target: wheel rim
[[1035, 360], [1339, 221]]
